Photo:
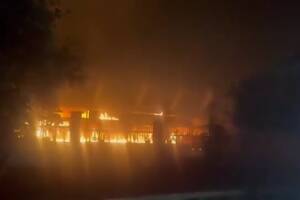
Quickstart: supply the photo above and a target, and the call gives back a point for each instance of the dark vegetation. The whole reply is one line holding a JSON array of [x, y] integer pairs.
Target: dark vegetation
[[31, 64]]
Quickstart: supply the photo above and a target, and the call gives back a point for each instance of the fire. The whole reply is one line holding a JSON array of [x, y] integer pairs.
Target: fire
[[62, 140], [94, 137], [60, 133], [116, 141], [158, 114], [85, 115], [39, 133], [91, 130], [83, 139], [103, 116], [51, 131], [106, 117], [172, 138], [64, 124]]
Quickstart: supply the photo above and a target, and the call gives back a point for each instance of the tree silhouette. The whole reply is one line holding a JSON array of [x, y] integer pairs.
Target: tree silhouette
[[31, 64]]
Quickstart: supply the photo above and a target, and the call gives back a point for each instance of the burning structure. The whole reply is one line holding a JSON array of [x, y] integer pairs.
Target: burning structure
[[87, 126]]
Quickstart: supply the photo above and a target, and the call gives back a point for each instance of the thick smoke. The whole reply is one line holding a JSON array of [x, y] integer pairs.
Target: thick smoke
[[153, 55]]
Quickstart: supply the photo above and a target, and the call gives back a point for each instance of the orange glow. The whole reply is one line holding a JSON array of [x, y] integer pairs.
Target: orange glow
[[85, 115], [116, 140], [49, 130], [64, 124], [94, 137], [62, 140], [173, 138], [106, 117], [83, 139], [41, 131], [140, 138], [93, 131], [159, 114]]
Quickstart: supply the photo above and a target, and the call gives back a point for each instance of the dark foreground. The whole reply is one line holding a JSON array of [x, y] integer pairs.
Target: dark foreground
[[48, 171]]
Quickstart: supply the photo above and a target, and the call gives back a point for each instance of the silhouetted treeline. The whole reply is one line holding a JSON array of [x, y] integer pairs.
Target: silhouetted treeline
[[267, 106], [31, 64], [267, 114]]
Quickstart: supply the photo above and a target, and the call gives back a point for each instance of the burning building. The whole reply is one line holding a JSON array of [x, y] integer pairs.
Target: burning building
[[87, 126]]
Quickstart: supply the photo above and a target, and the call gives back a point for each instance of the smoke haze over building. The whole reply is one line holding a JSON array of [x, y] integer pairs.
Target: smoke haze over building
[[171, 55]]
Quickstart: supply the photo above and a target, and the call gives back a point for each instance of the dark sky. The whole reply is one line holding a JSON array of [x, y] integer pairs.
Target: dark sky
[[177, 55]]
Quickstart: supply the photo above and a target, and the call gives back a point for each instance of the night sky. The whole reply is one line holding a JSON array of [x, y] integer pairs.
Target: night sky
[[172, 55]]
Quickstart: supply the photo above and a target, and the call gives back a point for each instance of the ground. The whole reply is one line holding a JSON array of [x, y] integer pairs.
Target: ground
[[112, 171]]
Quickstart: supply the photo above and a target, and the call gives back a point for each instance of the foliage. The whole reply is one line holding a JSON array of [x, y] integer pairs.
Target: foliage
[[269, 103], [32, 65]]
